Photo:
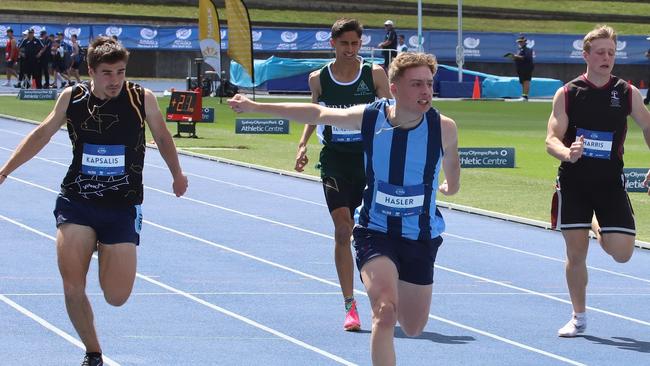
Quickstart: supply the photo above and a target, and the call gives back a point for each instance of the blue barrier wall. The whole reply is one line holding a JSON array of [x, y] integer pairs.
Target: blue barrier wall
[[478, 46]]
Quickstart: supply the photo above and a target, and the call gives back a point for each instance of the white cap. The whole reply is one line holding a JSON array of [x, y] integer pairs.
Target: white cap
[[25, 32], [388, 22]]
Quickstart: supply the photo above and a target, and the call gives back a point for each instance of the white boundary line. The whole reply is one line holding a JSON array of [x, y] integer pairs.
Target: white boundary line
[[257, 217], [333, 293], [212, 293], [448, 205], [451, 206], [52, 328], [331, 237], [532, 292], [198, 300], [243, 186], [223, 247], [545, 257]]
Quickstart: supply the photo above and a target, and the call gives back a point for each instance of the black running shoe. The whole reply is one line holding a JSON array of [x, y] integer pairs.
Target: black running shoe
[[93, 360]]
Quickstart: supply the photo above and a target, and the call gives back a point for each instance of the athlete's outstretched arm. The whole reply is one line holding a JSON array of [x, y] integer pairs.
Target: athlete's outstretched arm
[[164, 142], [348, 118], [450, 159], [39, 137], [558, 123], [641, 116]]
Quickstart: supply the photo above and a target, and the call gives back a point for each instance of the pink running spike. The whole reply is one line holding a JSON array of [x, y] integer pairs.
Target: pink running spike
[[352, 323]]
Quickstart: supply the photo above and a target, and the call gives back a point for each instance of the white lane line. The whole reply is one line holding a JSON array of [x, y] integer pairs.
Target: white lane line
[[207, 293], [638, 321], [223, 247], [47, 325], [499, 283], [359, 292], [203, 302], [544, 256], [242, 186], [337, 293], [506, 340], [248, 321], [256, 217], [188, 174], [561, 260]]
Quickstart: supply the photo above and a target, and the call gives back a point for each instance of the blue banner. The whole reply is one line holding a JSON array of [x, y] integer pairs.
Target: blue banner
[[83, 32], [487, 157], [271, 126], [478, 46], [634, 178]]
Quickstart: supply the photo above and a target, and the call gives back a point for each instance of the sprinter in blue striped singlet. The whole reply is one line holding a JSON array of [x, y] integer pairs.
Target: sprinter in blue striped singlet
[[405, 143]]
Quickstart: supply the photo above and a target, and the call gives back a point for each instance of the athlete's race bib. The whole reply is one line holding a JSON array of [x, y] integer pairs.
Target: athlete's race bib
[[399, 201], [103, 160], [598, 144], [342, 135]]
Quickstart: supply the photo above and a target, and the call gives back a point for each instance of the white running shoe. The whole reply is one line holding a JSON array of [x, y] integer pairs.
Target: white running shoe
[[572, 328], [6, 83]]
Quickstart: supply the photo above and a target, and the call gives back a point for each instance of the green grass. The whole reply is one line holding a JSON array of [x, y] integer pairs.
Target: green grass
[[523, 191], [376, 20], [561, 6]]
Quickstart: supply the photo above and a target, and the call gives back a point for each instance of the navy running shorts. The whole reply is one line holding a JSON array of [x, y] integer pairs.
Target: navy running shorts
[[414, 259], [112, 225]]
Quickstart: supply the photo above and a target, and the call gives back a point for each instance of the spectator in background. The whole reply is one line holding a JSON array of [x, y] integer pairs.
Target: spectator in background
[[389, 44], [58, 65], [21, 60], [11, 56], [401, 47], [75, 57], [524, 64], [51, 68], [30, 48], [44, 58]]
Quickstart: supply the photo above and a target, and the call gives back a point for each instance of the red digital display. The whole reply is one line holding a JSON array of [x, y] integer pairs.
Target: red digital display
[[184, 106]]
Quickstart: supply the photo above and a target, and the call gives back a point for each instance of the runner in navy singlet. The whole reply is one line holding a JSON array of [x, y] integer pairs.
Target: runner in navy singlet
[[586, 132], [98, 208]]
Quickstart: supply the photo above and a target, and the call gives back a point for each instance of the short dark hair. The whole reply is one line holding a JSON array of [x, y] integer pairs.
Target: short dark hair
[[346, 25], [106, 50]]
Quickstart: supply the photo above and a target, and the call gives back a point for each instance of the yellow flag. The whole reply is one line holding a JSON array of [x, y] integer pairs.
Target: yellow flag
[[240, 44], [209, 35]]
